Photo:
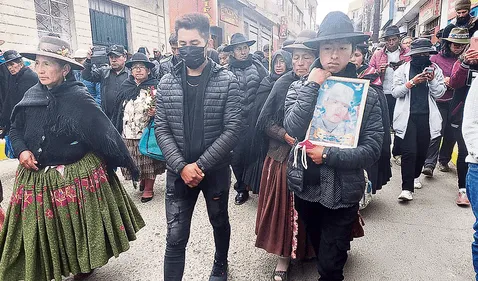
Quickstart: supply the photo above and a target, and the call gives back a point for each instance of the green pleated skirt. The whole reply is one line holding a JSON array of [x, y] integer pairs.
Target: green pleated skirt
[[64, 220]]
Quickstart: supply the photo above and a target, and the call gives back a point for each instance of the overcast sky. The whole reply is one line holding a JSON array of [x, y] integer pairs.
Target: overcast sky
[[326, 6]]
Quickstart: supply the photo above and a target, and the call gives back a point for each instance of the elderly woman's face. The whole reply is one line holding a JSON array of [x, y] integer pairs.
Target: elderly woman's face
[[335, 55], [139, 71], [50, 72], [301, 61], [280, 66], [241, 52], [14, 66]]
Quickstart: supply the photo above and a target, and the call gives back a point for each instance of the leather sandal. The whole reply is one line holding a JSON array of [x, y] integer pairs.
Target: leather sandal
[[281, 274], [147, 196]]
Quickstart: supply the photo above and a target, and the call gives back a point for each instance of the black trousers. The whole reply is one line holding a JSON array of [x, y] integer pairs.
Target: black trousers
[[461, 165], [330, 232], [179, 211], [391, 101], [435, 152], [1, 192], [414, 147]]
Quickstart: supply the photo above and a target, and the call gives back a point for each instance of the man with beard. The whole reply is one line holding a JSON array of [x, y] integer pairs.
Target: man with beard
[[111, 77], [250, 72], [463, 17]]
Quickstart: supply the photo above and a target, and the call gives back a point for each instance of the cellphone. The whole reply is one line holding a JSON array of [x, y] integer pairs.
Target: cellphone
[[429, 70], [474, 43]]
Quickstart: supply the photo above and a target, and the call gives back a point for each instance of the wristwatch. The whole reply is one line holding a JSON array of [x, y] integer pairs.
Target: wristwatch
[[412, 83], [312, 83], [324, 155]]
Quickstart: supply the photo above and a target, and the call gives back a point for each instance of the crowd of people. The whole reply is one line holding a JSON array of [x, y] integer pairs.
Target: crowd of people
[[73, 124]]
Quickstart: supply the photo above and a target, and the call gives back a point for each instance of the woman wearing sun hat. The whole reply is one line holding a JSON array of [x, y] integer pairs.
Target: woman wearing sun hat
[[278, 228], [132, 114], [454, 42], [328, 192], [69, 212]]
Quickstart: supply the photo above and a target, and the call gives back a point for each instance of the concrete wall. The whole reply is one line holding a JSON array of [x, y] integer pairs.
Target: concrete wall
[[18, 25]]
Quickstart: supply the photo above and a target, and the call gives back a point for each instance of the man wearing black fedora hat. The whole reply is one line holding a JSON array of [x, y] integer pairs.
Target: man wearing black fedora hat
[[111, 77], [328, 192], [250, 72]]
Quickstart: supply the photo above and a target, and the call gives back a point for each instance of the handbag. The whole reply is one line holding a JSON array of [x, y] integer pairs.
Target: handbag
[[9, 148], [357, 228], [148, 146]]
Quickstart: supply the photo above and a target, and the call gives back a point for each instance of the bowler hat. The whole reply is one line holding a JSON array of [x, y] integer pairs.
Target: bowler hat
[[54, 47], [420, 46], [80, 54], [142, 58], [238, 39], [462, 5], [336, 26], [117, 50], [10, 55], [392, 30], [459, 36], [303, 36]]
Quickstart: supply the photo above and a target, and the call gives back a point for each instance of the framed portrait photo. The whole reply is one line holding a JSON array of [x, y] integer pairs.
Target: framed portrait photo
[[338, 113]]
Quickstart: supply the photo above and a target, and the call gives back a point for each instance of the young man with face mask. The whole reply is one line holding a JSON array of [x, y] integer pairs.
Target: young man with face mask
[[328, 192], [249, 72], [463, 18], [197, 124]]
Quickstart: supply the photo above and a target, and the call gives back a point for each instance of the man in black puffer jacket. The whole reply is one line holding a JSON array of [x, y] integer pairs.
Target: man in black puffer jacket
[[328, 191], [197, 125], [250, 72]]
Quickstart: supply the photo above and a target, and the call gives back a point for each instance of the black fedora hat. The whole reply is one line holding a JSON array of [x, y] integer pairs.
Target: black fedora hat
[[238, 39], [421, 46], [336, 26], [142, 58], [392, 30], [54, 47], [10, 55]]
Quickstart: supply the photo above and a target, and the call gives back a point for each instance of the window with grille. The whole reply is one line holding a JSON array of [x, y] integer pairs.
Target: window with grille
[[53, 16]]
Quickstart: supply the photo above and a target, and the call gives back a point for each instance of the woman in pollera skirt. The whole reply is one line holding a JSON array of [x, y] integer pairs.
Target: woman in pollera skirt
[[68, 212]]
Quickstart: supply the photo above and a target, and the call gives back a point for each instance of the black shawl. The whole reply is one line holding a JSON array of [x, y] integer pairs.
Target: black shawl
[[256, 153], [381, 172], [129, 91], [70, 112]]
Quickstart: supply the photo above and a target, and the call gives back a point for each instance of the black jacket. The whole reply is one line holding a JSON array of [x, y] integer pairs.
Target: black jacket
[[250, 75], [166, 66], [17, 85], [222, 118], [110, 83], [60, 126], [346, 165]]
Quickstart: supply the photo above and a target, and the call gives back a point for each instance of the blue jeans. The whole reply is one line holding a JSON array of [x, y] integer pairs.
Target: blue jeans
[[472, 192]]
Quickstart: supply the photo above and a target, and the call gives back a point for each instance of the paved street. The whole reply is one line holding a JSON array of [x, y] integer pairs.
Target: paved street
[[427, 239]]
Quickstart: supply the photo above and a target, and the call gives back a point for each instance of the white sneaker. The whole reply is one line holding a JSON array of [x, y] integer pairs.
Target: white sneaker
[[417, 184], [406, 195]]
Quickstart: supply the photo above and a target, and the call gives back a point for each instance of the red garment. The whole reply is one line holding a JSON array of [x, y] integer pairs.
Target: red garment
[[446, 64], [380, 57]]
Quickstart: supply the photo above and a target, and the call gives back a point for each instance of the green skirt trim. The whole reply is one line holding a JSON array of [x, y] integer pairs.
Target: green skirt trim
[[63, 220]]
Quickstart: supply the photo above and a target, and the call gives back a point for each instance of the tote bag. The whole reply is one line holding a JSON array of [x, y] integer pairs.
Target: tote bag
[[148, 145]]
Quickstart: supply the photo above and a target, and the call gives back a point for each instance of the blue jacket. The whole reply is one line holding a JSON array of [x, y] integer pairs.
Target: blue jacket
[[94, 88]]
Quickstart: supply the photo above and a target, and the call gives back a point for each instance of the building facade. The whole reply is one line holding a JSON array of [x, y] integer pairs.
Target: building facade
[[84, 23], [266, 21]]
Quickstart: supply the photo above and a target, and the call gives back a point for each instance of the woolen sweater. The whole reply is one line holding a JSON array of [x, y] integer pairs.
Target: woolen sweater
[[446, 65]]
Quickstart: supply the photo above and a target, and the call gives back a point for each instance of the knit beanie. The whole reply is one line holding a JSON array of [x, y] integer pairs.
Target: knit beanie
[[462, 5]]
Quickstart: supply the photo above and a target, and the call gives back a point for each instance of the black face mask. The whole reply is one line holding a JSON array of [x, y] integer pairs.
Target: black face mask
[[193, 56], [421, 61], [463, 20]]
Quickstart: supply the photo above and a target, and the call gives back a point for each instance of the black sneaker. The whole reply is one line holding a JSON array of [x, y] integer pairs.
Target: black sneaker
[[428, 171], [241, 197], [219, 271]]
